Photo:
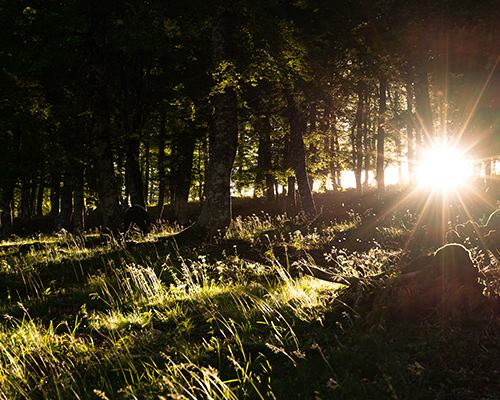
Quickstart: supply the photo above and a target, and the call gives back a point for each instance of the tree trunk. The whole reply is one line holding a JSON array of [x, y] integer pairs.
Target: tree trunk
[[6, 211], [26, 212], [100, 131], [32, 197], [79, 203], [356, 137], [298, 157], [264, 162], [410, 137], [146, 169], [135, 185], [64, 219], [368, 152], [39, 199], [10, 163], [399, 155], [162, 138], [55, 193], [423, 106], [335, 165], [120, 177], [381, 136], [215, 215], [132, 87], [183, 184], [291, 198]]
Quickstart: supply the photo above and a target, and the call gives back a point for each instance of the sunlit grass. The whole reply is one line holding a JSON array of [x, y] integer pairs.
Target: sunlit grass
[[215, 329], [251, 227]]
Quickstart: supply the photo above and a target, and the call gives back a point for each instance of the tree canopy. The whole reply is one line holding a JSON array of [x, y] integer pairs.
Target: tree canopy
[[107, 104]]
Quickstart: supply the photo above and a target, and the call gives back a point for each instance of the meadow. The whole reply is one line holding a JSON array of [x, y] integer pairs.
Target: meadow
[[93, 317]]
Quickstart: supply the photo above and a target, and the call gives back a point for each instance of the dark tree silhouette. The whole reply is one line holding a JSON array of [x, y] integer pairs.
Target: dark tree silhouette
[[215, 215], [100, 131]]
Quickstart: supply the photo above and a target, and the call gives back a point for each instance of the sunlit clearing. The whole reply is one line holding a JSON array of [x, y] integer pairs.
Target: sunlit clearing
[[443, 168]]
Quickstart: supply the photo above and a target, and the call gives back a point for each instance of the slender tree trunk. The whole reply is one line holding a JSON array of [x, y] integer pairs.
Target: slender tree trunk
[[423, 106], [264, 162], [215, 215], [100, 132], [183, 184], [357, 135], [32, 197], [132, 105], [55, 193], [120, 177], [79, 203], [381, 135], [147, 158], [419, 145], [410, 137], [39, 199], [135, 186], [9, 182], [6, 211], [65, 215], [298, 157], [368, 151], [336, 173], [291, 198], [25, 214], [399, 155], [162, 138]]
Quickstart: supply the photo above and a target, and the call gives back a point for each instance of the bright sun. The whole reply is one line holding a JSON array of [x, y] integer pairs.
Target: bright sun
[[443, 168]]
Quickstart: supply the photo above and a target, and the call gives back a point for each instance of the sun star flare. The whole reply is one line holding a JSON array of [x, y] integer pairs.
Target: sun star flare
[[443, 168]]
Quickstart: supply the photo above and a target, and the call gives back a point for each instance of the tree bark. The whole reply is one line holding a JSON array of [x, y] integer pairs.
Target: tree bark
[[423, 106], [133, 176], [335, 153], [8, 184], [64, 219], [162, 138], [55, 193], [100, 131], [146, 167], [39, 198], [215, 215], [27, 199], [264, 176], [356, 137], [185, 151], [381, 135], [298, 157], [79, 203], [410, 136], [291, 198], [6, 213], [132, 106]]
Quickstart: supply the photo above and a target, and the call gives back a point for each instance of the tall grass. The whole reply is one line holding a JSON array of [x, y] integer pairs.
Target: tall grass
[[227, 329]]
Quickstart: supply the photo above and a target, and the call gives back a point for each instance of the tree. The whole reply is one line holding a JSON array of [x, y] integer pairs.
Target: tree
[[215, 215], [100, 131], [298, 156], [381, 135]]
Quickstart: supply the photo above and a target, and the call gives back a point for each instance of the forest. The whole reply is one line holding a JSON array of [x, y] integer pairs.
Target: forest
[[321, 182], [108, 104]]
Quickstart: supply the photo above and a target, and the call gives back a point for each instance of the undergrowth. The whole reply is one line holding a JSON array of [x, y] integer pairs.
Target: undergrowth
[[89, 317]]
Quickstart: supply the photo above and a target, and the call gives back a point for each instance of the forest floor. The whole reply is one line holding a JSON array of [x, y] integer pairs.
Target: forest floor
[[96, 317]]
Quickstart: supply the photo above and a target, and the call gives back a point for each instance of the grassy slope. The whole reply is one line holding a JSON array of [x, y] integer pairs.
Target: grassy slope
[[91, 318]]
